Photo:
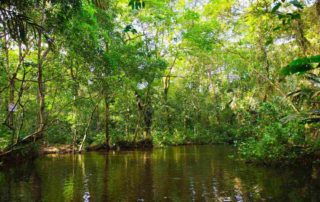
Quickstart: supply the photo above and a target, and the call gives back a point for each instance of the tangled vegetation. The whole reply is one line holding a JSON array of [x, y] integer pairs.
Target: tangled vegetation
[[100, 73]]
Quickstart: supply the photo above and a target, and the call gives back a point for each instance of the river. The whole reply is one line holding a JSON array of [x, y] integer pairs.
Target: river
[[184, 173]]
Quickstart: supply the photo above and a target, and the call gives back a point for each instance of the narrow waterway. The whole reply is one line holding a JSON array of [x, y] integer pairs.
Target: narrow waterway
[[186, 173]]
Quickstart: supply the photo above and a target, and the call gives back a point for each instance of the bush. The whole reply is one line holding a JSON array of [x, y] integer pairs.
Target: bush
[[274, 142]]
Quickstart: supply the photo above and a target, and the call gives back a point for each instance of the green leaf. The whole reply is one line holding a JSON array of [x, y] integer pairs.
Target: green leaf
[[277, 28], [300, 65], [276, 7], [297, 4], [305, 60], [127, 28], [294, 16], [269, 41], [288, 70], [134, 31]]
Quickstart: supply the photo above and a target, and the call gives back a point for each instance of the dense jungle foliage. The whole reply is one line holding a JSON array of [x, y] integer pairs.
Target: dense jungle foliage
[[131, 72]]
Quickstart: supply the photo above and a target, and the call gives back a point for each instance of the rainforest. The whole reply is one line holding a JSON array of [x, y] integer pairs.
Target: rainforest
[[235, 81]]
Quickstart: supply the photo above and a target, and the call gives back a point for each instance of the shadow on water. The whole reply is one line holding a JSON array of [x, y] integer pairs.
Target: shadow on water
[[188, 173]]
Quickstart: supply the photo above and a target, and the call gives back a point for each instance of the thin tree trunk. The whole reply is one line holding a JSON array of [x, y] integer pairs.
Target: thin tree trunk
[[75, 88], [107, 98], [145, 111], [166, 87], [41, 95], [11, 84], [87, 128], [107, 122], [136, 131], [11, 103]]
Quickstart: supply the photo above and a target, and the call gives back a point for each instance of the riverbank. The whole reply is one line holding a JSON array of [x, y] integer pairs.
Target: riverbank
[[121, 145], [34, 151]]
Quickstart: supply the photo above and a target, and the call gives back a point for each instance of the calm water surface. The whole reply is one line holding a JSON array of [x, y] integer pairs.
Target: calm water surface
[[190, 173]]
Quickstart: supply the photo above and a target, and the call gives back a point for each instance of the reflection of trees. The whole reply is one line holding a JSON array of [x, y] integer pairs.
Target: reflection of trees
[[128, 177], [105, 191], [85, 180], [173, 174], [147, 178], [21, 183], [36, 186]]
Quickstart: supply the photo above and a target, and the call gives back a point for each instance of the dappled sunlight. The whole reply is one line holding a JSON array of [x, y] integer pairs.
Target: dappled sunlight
[[110, 100]]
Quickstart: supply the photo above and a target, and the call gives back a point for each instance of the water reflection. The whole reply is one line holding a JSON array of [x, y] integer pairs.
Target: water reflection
[[191, 173]]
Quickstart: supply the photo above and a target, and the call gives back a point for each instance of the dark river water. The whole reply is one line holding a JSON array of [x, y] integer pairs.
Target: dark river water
[[186, 173]]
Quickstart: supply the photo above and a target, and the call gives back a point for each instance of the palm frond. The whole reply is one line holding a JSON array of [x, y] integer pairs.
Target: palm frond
[[17, 25], [301, 65]]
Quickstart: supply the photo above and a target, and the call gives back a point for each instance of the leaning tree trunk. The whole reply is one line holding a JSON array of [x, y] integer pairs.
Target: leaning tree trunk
[[87, 128]]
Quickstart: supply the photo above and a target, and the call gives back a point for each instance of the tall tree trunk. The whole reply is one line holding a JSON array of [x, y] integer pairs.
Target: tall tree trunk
[[11, 82], [166, 107], [266, 63], [41, 94], [166, 86], [147, 116], [11, 100], [75, 87], [145, 111], [107, 122], [107, 97], [12, 106], [301, 39]]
